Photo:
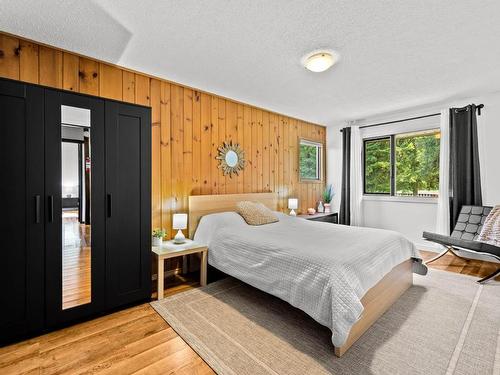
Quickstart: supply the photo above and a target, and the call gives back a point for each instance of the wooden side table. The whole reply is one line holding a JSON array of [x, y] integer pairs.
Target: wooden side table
[[170, 250]]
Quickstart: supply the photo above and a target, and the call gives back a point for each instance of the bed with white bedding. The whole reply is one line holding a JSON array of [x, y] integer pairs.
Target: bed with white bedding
[[321, 268]]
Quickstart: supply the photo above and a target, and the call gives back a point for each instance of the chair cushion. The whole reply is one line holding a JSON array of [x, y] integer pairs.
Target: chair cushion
[[256, 213], [470, 222], [463, 243]]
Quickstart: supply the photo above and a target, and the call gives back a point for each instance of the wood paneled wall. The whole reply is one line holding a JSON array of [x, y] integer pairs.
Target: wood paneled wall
[[187, 127]]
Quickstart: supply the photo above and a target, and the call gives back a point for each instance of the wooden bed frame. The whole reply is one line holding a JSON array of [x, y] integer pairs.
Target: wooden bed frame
[[376, 301]]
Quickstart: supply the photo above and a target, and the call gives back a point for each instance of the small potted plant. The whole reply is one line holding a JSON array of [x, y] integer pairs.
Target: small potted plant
[[327, 198], [158, 235]]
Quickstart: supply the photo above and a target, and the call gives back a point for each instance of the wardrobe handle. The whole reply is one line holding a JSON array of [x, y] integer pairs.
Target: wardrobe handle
[[37, 209], [109, 206], [51, 208]]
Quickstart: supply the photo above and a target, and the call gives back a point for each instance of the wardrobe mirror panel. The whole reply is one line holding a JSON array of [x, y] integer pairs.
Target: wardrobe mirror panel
[[76, 202]]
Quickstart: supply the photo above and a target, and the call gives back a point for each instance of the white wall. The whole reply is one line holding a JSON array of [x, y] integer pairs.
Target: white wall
[[412, 218], [70, 168]]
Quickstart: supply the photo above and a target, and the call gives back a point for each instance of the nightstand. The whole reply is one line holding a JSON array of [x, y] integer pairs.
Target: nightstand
[[170, 250], [330, 217]]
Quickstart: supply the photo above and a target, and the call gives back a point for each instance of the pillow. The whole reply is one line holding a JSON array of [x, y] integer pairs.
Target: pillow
[[256, 213]]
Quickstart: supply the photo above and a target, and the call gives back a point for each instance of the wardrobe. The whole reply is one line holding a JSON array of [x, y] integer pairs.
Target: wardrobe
[[76, 207]]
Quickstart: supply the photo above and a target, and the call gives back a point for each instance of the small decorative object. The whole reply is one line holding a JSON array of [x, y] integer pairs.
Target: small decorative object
[[158, 235], [321, 208], [231, 158], [180, 222], [293, 204], [327, 197], [311, 211]]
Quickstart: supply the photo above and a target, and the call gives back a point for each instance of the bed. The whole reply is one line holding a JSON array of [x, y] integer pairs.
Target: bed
[[343, 277]]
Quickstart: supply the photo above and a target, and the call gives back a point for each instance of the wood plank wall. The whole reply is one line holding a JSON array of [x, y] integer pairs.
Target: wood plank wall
[[187, 127]]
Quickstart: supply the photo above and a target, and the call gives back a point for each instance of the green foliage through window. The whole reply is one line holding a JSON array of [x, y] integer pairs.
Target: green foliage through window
[[378, 166], [416, 164], [310, 160]]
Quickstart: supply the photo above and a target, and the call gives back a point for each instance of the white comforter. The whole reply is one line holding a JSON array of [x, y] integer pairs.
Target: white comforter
[[320, 268]]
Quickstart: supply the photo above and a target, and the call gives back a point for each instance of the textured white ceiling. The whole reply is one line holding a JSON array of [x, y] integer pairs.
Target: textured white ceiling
[[394, 54]]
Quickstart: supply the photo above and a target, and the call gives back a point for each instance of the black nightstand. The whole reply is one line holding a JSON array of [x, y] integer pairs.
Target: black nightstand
[[331, 217]]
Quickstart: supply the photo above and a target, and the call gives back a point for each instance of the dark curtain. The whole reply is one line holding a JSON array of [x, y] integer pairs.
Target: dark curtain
[[345, 193], [465, 177]]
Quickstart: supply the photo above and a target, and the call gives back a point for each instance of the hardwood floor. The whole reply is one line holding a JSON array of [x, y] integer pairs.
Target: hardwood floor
[[76, 261], [138, 340], [132, 341], [471, 267]]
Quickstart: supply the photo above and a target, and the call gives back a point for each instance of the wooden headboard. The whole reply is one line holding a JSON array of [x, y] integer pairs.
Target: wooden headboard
[[200, 205]]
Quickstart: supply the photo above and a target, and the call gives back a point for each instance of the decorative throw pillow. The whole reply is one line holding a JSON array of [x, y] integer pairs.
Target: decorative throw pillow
[[256, 213], [491, 228]]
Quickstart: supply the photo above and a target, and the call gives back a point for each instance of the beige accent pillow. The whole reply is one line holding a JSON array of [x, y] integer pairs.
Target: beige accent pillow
[[256, 213]]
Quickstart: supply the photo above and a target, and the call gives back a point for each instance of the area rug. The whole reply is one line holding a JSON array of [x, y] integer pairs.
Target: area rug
[[445, 324]]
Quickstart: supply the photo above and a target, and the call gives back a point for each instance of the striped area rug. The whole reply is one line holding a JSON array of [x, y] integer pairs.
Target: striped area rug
[[445, 324]]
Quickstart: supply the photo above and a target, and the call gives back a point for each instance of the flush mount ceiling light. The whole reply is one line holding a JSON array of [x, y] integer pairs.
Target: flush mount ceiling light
[[319, 61]]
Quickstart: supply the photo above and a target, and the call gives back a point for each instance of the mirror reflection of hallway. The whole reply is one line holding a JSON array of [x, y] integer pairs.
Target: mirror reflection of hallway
[[76, 216]]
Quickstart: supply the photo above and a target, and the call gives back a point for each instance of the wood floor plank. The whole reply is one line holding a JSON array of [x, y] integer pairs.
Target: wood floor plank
[[471, 267], [98, 348], [171, 363], [87, 329], [195, 367], [20, 358], [144, 359]]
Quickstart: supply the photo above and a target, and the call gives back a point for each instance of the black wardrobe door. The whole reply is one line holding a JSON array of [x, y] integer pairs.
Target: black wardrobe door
[[55, 313], [21, 198], [128, 186]]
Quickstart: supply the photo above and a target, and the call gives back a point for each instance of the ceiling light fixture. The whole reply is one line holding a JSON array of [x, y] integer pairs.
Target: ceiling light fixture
[[319, 61]]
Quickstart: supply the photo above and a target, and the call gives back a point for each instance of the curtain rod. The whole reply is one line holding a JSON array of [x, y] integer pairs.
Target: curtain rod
[[479, 107], [395, 121]]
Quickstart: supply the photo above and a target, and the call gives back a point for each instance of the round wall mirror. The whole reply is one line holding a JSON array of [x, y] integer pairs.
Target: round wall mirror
[[231, 157]]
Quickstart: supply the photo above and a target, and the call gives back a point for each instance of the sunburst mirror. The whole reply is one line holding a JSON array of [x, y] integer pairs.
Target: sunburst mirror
[[231, 158]]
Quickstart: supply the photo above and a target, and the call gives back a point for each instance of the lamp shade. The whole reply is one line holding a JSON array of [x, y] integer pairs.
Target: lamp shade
[[293, 203], [180, 221]]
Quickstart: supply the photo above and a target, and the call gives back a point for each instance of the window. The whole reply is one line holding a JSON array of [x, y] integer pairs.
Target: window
[[310, 160], [403, 165]]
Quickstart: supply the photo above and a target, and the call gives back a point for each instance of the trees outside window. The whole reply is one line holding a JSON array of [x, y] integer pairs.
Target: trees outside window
[[310, 159], [378, 166], [403, 165]]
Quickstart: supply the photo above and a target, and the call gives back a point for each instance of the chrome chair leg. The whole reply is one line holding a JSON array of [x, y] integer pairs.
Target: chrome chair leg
[[441, 254], [454, 252], [489, 277], [444, 252]]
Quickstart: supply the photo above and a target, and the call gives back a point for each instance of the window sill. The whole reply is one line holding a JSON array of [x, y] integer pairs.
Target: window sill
[[387, 198]]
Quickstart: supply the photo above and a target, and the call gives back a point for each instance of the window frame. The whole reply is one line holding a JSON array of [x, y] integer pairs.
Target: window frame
[[392, 194], [320, 158]]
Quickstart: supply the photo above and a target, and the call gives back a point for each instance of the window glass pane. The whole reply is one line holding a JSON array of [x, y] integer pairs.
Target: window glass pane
[[378, 166], [309, 161], [417, 164]]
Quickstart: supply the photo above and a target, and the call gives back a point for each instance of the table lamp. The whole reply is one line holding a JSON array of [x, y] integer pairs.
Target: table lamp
[[293, 204], [180, 222]]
